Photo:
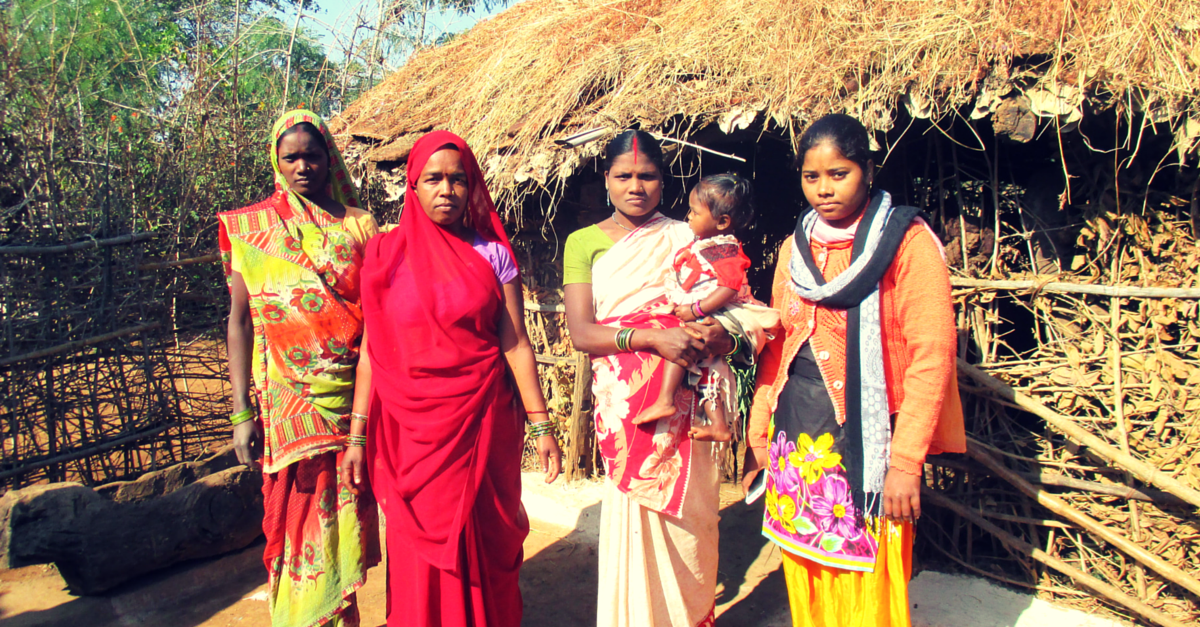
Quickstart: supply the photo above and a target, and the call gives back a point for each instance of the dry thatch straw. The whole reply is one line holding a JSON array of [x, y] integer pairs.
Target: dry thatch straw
[[545, 69]]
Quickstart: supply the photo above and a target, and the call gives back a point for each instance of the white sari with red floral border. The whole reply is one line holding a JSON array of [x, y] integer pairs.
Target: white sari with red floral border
[[658, 534]]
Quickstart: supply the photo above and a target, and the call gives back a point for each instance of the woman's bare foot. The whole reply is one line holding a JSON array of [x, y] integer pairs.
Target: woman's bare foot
[[654, 412], [712, 432]]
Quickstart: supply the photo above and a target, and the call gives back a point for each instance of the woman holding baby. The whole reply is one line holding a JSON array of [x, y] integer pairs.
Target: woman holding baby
[[658, 537]]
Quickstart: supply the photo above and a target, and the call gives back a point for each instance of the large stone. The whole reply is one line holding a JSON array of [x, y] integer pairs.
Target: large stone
[[101, 538]]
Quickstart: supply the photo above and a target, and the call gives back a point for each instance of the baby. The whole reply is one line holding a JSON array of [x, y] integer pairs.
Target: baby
[[709, 278]]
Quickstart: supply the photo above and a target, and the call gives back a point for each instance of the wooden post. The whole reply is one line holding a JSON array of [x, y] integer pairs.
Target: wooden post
[[579, 459]]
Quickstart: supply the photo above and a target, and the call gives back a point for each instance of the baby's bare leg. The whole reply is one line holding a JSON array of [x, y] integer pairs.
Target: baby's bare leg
[[664, 406], [717, 429]]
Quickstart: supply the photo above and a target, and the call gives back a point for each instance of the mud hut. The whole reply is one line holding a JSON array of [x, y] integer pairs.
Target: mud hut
[[1052, 143]]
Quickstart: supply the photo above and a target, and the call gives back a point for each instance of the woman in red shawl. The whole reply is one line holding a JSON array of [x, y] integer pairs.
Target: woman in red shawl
[[446, 340]]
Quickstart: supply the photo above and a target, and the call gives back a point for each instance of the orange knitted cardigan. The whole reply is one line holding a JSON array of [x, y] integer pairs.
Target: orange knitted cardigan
[[919, 342]]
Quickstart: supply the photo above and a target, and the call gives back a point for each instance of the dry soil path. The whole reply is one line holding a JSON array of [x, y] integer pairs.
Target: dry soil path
[[558, 581]]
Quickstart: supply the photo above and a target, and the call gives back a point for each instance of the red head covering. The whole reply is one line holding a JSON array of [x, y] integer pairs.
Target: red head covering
[[440, 400]]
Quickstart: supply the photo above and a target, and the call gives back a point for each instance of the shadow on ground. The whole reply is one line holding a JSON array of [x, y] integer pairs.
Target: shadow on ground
[[184, 595], [750, 587], [559, 582]]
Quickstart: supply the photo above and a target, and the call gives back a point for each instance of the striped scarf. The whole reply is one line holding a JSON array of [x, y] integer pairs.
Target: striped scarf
[[868, 424]]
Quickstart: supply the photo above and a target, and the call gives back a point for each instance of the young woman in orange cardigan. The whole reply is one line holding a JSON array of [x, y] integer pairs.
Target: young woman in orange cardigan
[[855, 392]]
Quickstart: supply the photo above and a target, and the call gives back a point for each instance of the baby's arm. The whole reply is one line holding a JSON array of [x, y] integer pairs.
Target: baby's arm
[[709, 305]]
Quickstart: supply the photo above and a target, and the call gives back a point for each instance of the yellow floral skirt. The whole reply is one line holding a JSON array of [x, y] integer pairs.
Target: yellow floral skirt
[[821, 596]]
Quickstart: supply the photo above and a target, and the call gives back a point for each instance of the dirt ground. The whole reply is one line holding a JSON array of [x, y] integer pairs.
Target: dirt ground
[[558, 580]]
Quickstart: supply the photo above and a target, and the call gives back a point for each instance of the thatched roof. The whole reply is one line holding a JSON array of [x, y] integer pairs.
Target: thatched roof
[[546, 69]]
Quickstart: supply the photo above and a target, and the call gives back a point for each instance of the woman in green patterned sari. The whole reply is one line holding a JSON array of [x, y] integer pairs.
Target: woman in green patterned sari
[[292, 262]]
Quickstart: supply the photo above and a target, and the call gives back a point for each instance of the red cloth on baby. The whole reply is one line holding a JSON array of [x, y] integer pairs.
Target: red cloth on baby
[[727, 261]]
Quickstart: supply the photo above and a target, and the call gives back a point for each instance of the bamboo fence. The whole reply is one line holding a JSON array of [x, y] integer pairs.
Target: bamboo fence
[[99, 380]]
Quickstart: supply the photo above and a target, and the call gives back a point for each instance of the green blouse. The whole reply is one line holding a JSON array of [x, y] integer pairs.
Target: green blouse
[[584, 248]]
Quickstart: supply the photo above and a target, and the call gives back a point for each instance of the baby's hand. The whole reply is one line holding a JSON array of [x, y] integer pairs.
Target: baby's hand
[[684, 312]]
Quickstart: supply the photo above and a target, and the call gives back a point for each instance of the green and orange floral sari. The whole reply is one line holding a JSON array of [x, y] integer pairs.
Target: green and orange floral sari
[[301, 268]]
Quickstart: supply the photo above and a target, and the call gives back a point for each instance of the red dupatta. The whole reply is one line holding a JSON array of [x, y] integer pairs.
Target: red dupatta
[[438, 388]]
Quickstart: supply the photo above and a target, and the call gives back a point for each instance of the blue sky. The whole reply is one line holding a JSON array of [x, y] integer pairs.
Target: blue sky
[[337, 17]]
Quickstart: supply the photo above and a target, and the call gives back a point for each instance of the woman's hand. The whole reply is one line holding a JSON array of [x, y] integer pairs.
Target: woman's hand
[[246, 438], [902, 496], [551, 457], [716, 339], [351, 469], [680, 346], [756, 462]]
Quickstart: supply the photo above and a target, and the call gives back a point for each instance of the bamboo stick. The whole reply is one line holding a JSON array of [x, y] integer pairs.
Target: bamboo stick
[[1119, 291], [1067, 427], [1005, 580], [1148, 495], [1085, 522], [1026, 520], [80, 453], [77, 344], [181, 262], [84, 245], [1105, 590], [1135, 524]]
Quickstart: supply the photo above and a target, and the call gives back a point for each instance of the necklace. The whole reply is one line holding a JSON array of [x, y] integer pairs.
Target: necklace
[[614, 219]]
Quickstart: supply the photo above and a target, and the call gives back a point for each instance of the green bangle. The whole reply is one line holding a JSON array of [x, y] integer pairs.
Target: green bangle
[[355, 439], [737, 346], [538, 429], [358, 417], [242, 416], [623, 337]]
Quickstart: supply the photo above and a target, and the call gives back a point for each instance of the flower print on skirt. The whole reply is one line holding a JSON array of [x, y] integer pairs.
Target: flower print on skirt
[[810, 507]]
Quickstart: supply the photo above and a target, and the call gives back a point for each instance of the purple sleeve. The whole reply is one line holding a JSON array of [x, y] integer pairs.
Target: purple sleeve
[[499, 258], [503, 264]]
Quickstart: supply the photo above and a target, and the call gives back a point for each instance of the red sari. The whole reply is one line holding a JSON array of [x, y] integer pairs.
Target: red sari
[[445, 437]]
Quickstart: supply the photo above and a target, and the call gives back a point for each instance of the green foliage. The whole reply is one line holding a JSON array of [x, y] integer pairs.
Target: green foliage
[[120, 116], [96, 48]]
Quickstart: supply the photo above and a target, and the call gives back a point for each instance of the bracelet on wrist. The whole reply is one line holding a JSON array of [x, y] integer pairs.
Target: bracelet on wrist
[[623, 339], [697, 310], [355, 439], [536, 411], [737, 346], [242, 416], [357, 416], [538, 429]]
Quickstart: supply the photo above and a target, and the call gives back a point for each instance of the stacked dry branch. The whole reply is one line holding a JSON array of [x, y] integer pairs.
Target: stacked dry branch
[[1087, 444]]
